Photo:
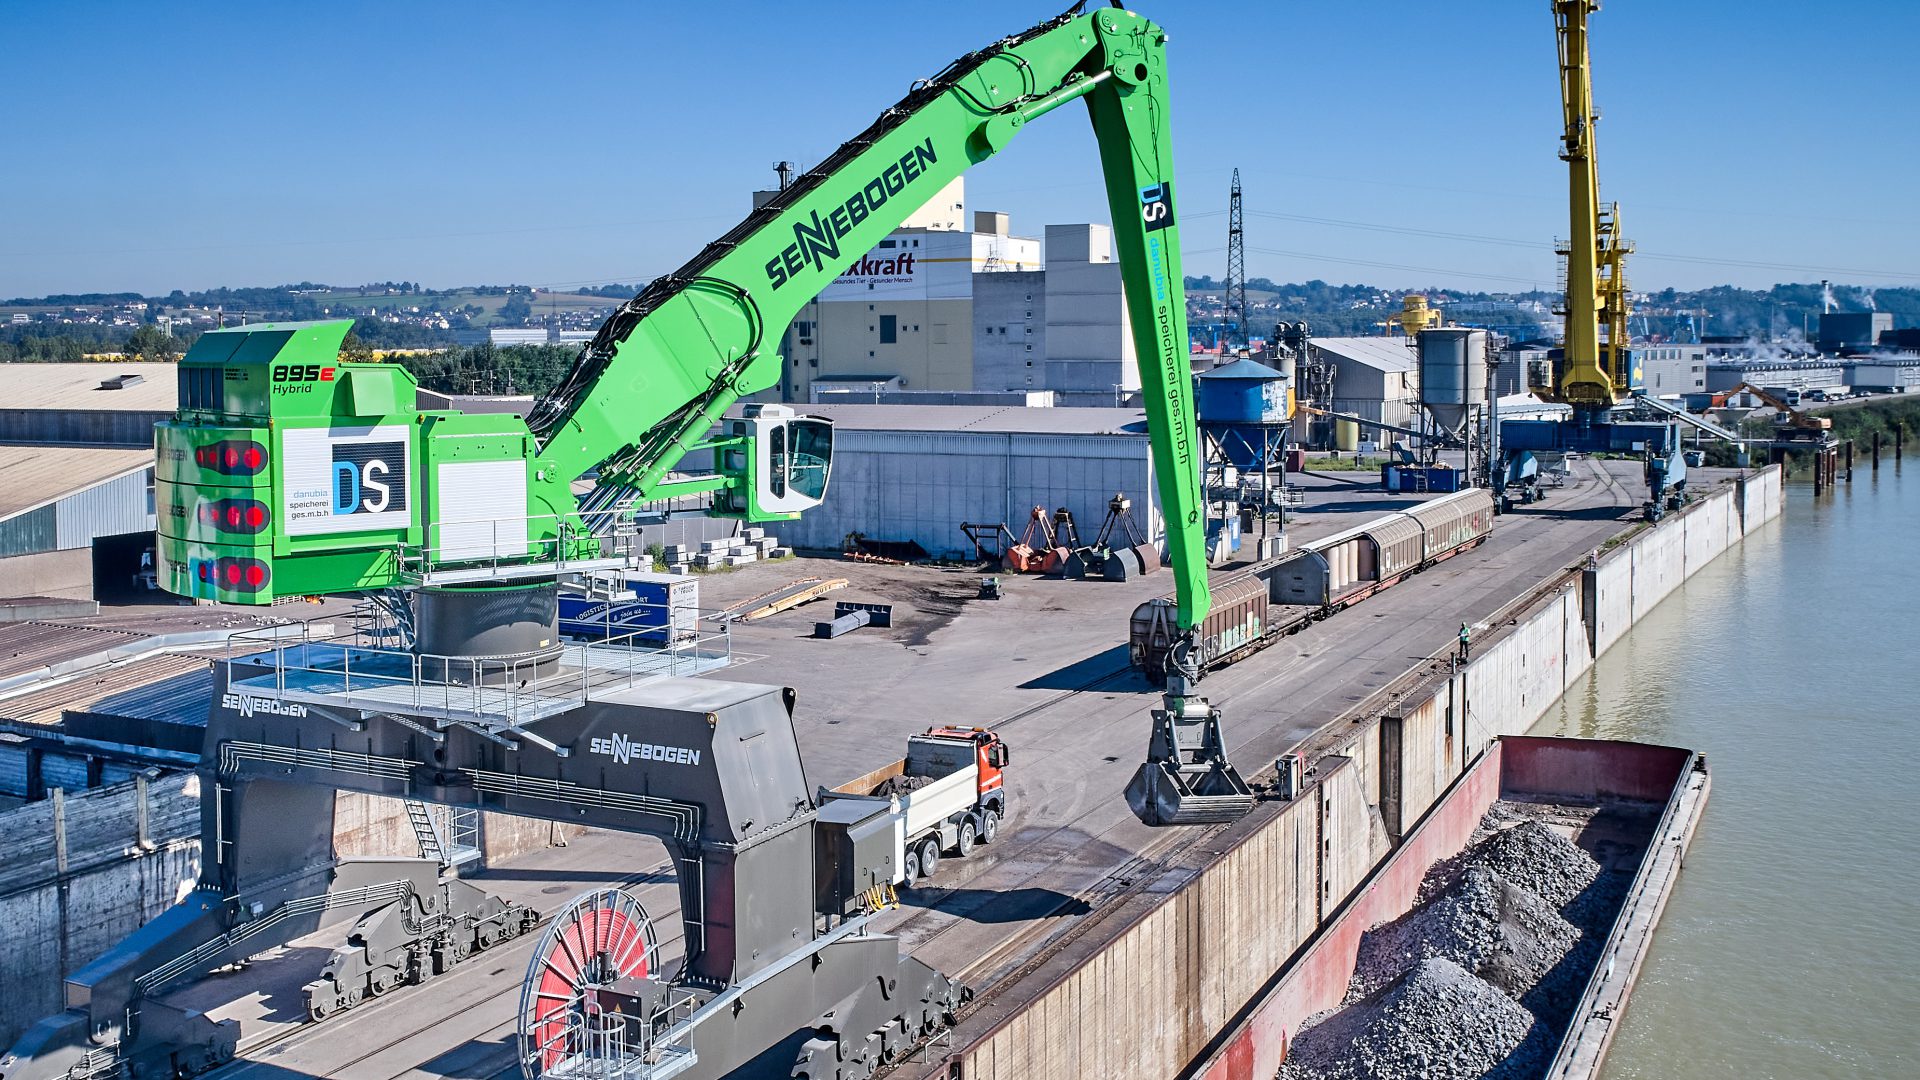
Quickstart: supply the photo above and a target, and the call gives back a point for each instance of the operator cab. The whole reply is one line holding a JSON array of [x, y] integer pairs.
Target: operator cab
[[786, 463]]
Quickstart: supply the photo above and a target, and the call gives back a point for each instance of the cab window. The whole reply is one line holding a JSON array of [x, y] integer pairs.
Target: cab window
[[812, 457]]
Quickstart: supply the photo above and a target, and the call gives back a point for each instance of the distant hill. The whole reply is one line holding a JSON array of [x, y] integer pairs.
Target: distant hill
[[1783, 311], [387, 314]]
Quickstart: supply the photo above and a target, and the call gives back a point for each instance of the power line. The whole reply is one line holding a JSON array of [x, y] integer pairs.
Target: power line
[[388, 238]]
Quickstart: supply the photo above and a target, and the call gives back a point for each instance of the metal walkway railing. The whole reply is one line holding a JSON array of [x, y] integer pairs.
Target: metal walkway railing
[[499, 697]]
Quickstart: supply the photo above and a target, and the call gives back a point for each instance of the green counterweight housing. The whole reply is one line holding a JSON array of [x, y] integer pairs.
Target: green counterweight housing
[[288, 472]]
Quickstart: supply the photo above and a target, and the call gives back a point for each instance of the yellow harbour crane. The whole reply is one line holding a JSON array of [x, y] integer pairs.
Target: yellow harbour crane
[[1599, 374], [1595, 375]]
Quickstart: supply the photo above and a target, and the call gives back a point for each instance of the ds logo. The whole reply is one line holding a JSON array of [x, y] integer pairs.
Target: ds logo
[[369, 477], [1156, 206]]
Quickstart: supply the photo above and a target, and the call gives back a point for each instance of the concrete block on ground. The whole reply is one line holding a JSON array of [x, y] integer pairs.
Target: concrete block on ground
[[752, 534], [842, 622]]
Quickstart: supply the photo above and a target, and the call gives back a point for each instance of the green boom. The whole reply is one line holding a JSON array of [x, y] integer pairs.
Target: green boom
[[665, 368]]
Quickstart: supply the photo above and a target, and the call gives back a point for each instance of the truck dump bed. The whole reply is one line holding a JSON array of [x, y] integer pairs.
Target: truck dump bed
[[938, 777]]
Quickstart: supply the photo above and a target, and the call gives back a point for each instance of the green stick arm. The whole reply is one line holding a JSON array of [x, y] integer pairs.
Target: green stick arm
[[696, 340], [1130, 120]]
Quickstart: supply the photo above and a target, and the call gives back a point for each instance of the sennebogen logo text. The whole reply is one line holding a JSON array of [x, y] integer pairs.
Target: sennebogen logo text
[[624, 750], [248, 705], [816, 241]]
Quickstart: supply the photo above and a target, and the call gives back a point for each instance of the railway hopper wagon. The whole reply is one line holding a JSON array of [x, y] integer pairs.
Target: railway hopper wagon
[[1348, 567], [1274, 598], [1238, 624]]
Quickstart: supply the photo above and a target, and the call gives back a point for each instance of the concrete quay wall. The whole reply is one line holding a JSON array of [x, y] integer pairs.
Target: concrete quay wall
[[1181, 986], [79, 872]]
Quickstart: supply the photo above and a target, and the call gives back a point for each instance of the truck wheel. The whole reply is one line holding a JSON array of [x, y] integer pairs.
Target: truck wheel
[[929, 856], [910, 868], [968, 834], [989, 826]]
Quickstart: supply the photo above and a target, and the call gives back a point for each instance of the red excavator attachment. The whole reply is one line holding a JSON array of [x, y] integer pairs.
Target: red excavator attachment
[[1026, 557]]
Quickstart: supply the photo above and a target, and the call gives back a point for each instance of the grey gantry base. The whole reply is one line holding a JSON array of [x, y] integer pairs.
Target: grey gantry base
[[774, 945]]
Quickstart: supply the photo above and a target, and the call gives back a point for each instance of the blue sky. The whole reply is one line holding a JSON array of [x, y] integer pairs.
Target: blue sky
[[160, 146]]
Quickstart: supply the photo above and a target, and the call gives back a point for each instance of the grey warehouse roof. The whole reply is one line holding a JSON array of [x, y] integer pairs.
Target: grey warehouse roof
[[994, 419], [77, 387], [1384, 353], [33, 476], [29, 646], [170, 686]]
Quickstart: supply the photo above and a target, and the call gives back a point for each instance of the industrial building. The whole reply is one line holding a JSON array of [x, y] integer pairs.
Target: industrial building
[[76, 476], [1886, 374], [1776, 375], [74, 521], [912, 474], [97, 404], [1853, 331], [937, 309], [1375, 378], [1669, 370]]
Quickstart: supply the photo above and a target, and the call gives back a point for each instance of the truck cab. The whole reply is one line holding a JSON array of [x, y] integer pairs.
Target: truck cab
[[989, 753]]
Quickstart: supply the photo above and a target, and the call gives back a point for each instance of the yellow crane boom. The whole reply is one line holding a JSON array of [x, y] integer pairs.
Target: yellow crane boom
[[1594, 376]]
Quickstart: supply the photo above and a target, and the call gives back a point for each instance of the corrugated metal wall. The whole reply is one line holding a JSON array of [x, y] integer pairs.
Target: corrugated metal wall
[[109, 509], [919, 486], [28, 533], [81, 426]]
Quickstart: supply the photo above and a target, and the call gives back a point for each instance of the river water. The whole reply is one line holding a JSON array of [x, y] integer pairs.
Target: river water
[[1791, 946]]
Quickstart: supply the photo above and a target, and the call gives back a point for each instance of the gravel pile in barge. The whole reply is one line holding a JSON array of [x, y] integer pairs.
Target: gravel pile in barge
[[1478, 979], [1437, 1020]]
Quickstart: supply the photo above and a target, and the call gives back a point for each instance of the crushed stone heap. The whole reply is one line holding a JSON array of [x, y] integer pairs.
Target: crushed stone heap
[[1437, 1022]]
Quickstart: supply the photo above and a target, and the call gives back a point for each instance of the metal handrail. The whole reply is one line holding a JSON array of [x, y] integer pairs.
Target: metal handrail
[[508, 689], [555, 539]]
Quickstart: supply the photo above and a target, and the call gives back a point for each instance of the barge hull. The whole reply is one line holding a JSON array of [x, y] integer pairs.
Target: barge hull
[[1578, 772]]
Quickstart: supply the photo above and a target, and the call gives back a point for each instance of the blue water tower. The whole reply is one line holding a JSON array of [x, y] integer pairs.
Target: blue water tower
[[1243, 406]]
